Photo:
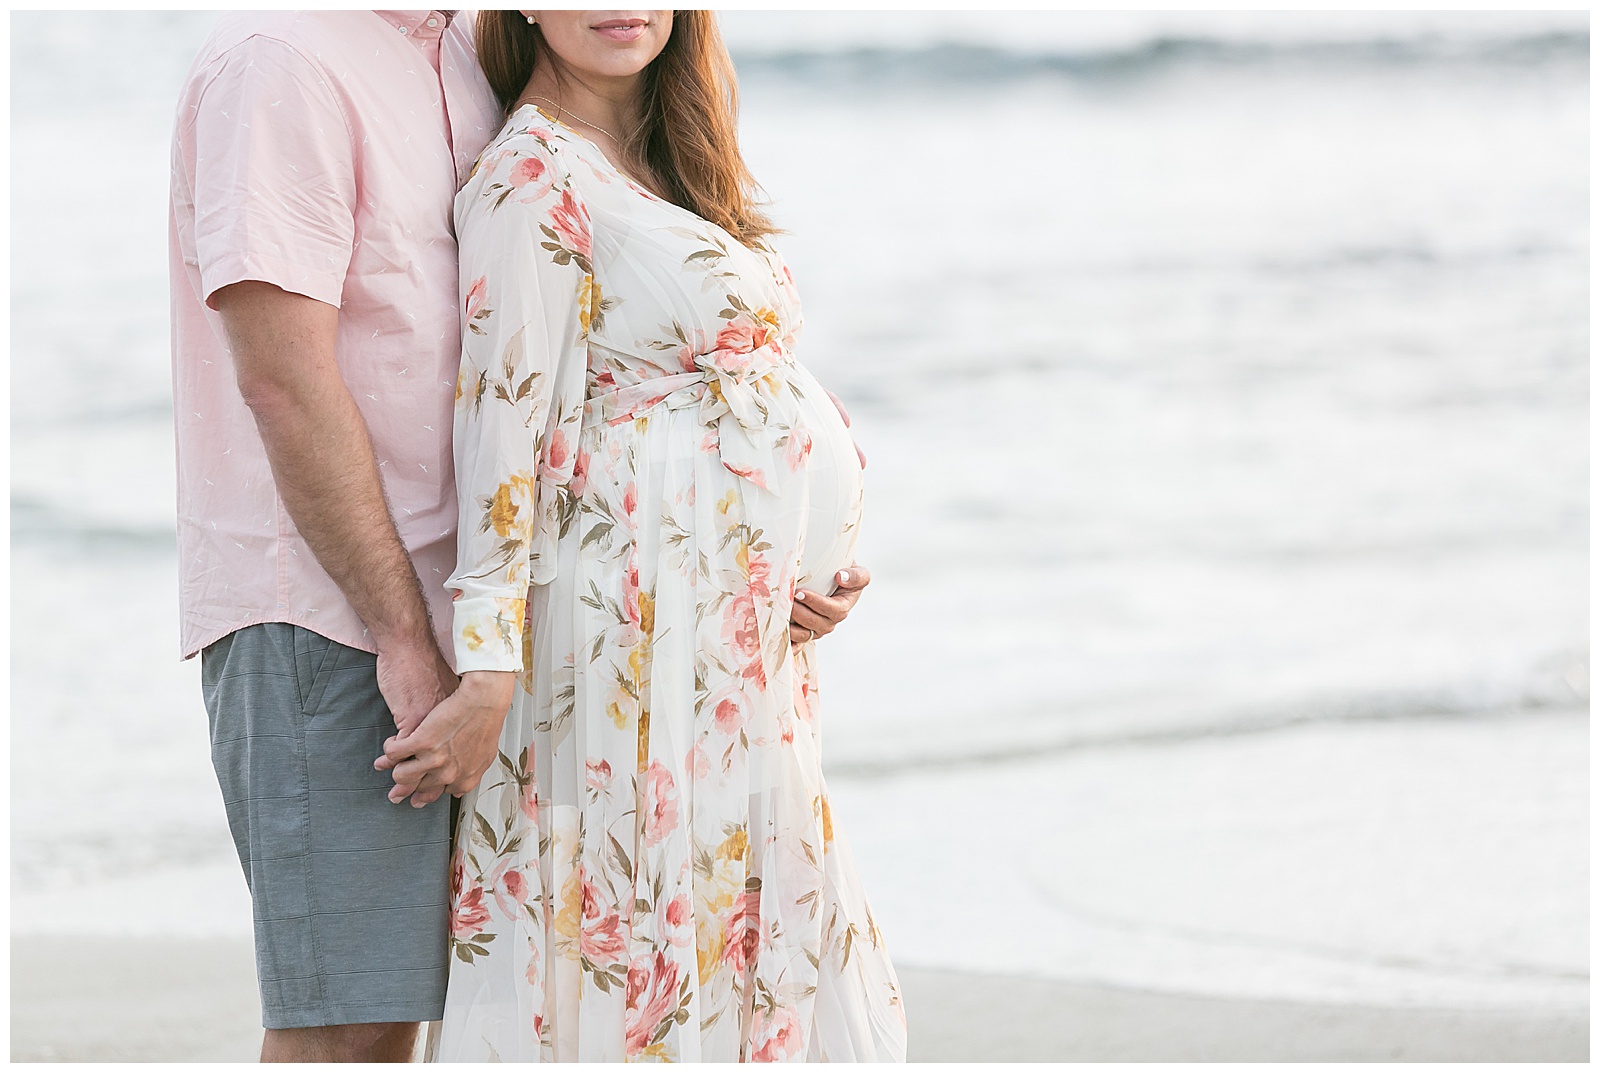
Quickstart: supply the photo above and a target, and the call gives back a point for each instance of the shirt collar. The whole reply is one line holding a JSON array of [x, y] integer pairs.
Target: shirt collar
[[416, 24]]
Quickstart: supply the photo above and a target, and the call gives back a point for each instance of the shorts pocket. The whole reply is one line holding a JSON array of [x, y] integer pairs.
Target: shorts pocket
[[315, 660]]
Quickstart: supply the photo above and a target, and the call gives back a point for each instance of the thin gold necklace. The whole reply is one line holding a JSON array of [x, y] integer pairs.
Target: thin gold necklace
[[567, 111]]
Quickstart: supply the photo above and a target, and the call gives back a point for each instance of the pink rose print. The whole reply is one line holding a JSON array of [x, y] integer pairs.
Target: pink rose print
[[470, 914], [630, 501], [600, 939], [630, 586], [530, 800], [742, 635], [599, 775], [660, 803], [798, 449], [677, 921], [730, 709], [775, 1034], [532, 171], [580, 474], [760, 576], [741, 930], [475, 296], [510, 889], [557, 453], [730, 351], [652, 997], [571, 222]]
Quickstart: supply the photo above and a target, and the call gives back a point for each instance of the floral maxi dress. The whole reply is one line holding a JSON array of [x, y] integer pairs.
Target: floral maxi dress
[[649, 871]]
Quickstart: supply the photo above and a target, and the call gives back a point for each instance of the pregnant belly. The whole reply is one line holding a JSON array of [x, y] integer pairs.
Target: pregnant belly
[[832, 487]]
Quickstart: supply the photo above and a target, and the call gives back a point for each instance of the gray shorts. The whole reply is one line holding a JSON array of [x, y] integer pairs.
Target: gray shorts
[[351, 893]]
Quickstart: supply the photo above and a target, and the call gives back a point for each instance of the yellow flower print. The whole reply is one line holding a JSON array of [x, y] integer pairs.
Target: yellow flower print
[[473, 638], [589, 302], [502, 511], [709, 944], [509, 612], [735, 846], [768, 317], [618, 716], [569, 904], [527, 654], [827, 822], [647, 613], [725, 504], [712, 897], [504, 507], [643, 759]]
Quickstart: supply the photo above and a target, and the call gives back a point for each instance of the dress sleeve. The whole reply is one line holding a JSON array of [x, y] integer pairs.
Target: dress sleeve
[[526, 285]]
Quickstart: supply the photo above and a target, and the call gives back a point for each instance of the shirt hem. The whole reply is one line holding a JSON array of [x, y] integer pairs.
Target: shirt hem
[[360, 642]]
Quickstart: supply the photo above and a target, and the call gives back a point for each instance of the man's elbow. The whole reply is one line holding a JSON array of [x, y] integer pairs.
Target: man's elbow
[[268, 397], [282, 346]]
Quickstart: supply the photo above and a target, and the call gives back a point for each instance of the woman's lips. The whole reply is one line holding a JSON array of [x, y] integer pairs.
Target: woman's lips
[[620, 31]]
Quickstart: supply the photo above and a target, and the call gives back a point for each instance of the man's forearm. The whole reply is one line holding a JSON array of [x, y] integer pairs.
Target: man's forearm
[[321, 456], [323, 465]]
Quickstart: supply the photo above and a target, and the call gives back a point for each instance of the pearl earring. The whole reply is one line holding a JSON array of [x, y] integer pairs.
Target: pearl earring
[[530, 20]]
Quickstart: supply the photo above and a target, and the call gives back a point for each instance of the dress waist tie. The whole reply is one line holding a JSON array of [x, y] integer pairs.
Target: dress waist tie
[[745, 398]]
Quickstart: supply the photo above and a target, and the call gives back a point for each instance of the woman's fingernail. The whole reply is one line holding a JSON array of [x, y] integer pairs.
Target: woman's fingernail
[[800, 594], [844, 577]]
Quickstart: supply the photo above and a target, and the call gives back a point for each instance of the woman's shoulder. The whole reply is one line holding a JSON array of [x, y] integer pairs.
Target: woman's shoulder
[[525, 171], [522, 154]]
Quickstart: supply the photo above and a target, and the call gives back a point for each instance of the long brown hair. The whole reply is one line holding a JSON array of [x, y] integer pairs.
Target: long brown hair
[[689, 137]]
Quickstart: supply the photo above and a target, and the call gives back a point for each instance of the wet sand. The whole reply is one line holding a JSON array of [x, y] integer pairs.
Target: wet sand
[[144, 1000]]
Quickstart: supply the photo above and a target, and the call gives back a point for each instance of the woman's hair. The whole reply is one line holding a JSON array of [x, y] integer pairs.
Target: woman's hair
[[689, 137]]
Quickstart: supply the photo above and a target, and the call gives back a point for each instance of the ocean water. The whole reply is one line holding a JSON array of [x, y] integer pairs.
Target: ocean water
[[1224, 386]]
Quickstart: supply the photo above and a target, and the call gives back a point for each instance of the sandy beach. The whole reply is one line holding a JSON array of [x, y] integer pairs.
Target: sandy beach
[[120, 1000]]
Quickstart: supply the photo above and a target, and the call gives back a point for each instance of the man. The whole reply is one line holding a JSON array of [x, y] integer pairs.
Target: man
[[316, 156]]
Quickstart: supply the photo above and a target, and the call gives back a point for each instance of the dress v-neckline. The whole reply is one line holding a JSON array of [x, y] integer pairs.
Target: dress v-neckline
[[567, 128], [639, 187]]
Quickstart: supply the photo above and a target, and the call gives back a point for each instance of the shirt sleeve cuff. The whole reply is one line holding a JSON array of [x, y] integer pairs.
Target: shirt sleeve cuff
[[326, 287], [488, 633]]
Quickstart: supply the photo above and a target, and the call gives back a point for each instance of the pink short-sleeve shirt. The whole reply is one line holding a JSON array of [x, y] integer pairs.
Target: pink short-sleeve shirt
[[320, 151]]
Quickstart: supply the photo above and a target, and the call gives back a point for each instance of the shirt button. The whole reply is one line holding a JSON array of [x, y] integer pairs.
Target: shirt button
[[433, 22], [402, 29]]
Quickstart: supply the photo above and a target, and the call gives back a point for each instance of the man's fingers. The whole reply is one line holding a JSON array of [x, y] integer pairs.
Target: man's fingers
[[401, 746], [431, 789], [410, 774]]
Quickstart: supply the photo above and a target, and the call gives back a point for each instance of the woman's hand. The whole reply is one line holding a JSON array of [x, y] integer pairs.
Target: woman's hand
[[815, 615], [454, 745]]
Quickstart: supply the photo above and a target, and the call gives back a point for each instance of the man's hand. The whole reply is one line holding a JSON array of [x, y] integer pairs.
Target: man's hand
[[413, 682], [454, 744], [815, 615]]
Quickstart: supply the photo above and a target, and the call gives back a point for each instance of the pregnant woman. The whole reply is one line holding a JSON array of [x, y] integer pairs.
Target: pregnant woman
[[650, 869]]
